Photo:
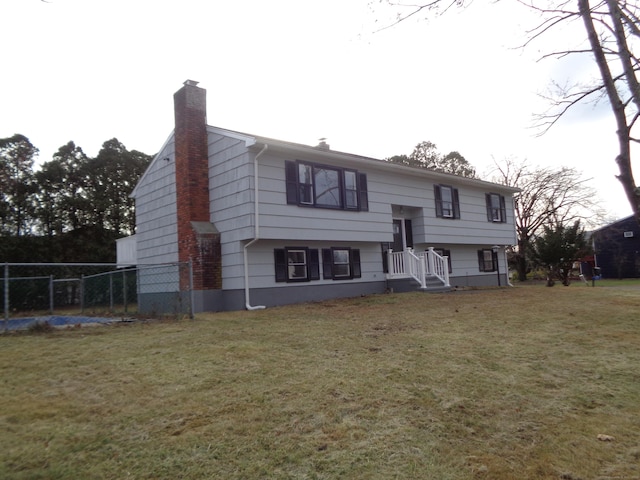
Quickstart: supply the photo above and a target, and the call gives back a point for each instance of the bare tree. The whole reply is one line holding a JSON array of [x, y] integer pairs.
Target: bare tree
[[612, 31], [611, 27], [549, 197]]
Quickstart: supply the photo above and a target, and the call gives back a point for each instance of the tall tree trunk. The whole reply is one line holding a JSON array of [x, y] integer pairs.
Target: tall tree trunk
[[521, 258], [623, 159]]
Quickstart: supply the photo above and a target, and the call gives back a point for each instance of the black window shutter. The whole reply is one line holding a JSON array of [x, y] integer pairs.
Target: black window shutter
[[291, 175], [314, 264], [481, 260], [456, 204], [487, 197], [280, 261], [327, 263], [438, 196], [503, 210], [356, 271], [385, 256], [408, 233], [363, 194]]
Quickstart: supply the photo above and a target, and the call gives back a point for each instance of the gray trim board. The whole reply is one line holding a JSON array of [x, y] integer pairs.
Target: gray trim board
[[272, 297]]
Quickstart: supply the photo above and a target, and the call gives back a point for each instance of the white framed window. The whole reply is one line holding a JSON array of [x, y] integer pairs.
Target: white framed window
[[323, 186], [447, 202], [487, 260], [296, 264], [496, 210], [341, 263], [350, 189], [305, 181]]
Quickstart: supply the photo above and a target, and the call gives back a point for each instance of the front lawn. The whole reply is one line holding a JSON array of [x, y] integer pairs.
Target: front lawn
[[524, 382]]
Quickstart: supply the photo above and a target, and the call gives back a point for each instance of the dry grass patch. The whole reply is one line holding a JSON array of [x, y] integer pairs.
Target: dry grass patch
[[500, 384]]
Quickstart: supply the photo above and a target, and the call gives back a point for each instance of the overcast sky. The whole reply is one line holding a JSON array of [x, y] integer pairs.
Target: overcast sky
[[298, 70]]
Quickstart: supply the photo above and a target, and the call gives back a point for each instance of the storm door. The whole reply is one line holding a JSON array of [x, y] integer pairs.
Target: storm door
[[402, 238]]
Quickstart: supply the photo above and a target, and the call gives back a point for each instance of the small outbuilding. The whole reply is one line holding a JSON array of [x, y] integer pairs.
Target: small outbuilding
[[617, 249]]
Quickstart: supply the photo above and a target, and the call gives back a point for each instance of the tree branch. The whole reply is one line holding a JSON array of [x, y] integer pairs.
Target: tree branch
[[417, 9]]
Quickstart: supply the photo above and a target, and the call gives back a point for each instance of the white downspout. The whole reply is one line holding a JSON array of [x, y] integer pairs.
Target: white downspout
[[256, 236], [506, 263]]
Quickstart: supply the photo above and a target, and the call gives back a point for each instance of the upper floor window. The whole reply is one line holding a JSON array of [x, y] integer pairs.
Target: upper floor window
[[496, 209], [447, 202], [326, 186]]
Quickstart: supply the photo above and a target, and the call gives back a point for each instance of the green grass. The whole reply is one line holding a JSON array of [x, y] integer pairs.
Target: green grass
[[498, 383], [625, 282]]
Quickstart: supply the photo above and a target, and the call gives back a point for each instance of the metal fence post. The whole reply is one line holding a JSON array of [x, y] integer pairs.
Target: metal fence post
[[82, 293], [124, 289], [191, 299], [110, 293], [51, 290], [6, 297]]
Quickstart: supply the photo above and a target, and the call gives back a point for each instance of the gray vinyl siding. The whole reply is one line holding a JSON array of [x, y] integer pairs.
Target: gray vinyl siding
[[465, 263], [407, 190], [231, 200], [262, 269], [417, 194], [278, 220], [231, 180], [230, 183], [465, 269], [156, 214], [281, 224]]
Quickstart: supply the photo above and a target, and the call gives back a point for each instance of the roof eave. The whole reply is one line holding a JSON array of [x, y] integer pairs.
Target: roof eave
[[315, 153]]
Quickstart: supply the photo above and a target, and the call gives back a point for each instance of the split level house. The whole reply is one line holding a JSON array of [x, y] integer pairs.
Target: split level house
[[267, 222]]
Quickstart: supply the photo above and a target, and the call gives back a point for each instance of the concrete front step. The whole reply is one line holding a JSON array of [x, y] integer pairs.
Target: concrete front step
[[434, 284]]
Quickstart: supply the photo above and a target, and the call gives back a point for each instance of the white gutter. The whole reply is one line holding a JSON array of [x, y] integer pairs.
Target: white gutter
[[256, 235]]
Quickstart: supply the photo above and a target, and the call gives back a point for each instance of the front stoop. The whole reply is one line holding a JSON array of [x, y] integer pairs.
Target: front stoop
[[435, 285]]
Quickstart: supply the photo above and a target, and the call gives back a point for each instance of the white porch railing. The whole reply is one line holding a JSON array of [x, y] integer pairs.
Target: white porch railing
[[418, 266]]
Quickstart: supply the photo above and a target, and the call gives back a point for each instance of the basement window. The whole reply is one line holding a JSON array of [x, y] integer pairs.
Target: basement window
[[296, 264]]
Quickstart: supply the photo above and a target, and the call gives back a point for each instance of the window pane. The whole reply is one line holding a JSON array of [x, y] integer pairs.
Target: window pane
[[447, 201], [297, 261], [304, 173], [488, 260], [297, 256], [341, 263], [445, 192], [351, 198], [340, 256], [351, 190], [495, 208], [327, 183], [341, 271], [297, 272], [306, 186]]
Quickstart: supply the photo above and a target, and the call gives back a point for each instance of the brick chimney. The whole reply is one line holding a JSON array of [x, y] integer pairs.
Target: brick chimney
[[198, 239]]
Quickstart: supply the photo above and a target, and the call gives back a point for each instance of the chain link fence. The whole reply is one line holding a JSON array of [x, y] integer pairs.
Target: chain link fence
[[45, 289]]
